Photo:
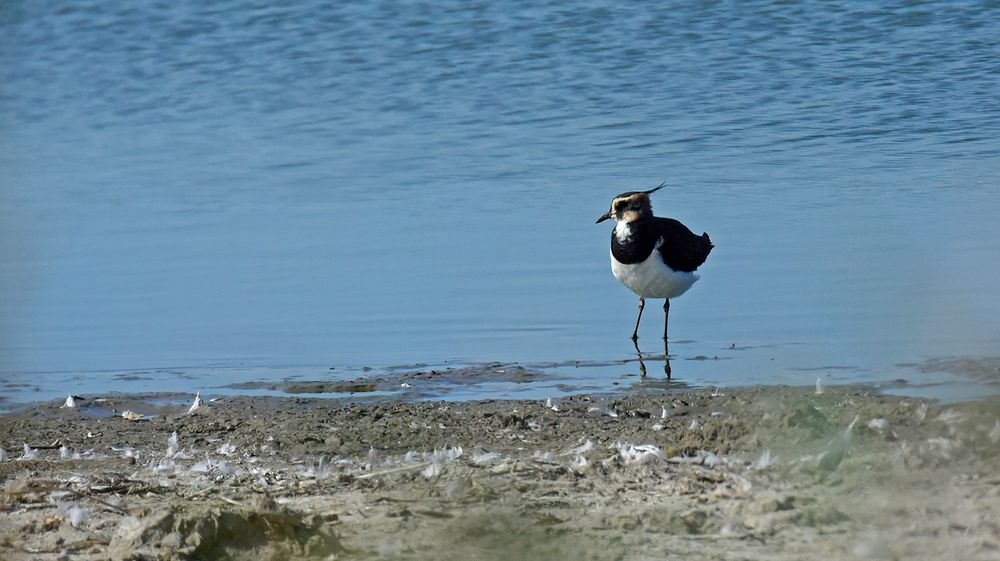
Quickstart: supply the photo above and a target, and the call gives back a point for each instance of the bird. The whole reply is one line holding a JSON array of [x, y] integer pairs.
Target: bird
[[653, 256]]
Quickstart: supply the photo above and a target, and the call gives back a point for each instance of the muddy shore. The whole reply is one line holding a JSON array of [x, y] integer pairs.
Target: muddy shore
[[759, 473]]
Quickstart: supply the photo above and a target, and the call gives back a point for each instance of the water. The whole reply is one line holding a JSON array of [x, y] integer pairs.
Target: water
[[197, 194]]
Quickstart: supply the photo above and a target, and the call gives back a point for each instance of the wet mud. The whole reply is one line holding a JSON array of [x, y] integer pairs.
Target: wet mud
[[411, 382]]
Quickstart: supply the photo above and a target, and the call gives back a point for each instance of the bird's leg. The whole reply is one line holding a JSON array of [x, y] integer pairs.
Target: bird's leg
[[666, 353], [642, 365], [635, 332], [666, 359], [666, 317]]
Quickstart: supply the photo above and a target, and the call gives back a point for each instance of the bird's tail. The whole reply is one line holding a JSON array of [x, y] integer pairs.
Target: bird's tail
[[707, 242], [700, 248]]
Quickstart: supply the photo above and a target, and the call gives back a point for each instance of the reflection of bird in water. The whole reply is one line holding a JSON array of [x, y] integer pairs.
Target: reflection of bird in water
[[642, 363], [654, 257]]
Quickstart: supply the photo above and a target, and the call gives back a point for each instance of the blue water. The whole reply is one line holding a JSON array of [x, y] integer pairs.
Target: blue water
[[208, 193]]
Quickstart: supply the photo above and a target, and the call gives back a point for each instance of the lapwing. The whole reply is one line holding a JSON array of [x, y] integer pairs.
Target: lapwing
[[654, 257]]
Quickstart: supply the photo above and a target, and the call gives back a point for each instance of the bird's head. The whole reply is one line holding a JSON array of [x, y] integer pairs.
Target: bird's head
[[631, 206]]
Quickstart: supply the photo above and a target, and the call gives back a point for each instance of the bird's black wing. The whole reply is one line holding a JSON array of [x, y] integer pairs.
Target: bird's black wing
[[682, 250]]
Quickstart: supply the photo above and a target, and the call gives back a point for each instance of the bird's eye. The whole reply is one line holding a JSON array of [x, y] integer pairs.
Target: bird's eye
[[635, 204]]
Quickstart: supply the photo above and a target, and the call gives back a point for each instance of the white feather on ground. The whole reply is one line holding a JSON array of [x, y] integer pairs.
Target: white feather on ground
[[711, 459], [480, 458], [173, 445], [29, 453], [764, 461], [132, 415], [439, 458], [639, 454], [76, 515], [583, 448], [837, 448], [196, 405], [878, 423]]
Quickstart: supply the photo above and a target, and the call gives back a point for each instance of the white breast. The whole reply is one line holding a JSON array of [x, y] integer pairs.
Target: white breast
[[653, 278]]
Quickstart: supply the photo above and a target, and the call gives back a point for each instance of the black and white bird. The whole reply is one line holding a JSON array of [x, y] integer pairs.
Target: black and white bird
[[654, 257]]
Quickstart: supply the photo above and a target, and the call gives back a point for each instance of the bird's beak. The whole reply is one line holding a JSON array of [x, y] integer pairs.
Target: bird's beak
[[606, 216]]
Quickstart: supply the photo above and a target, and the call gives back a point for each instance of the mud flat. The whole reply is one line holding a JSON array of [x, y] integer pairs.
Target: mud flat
[[758, 473]]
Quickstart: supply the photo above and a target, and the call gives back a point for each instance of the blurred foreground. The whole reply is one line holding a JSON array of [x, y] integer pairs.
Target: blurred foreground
[[762, 473]]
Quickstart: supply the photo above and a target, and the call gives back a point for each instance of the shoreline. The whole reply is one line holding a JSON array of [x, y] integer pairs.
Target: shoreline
[[756, 473], [951, 379]]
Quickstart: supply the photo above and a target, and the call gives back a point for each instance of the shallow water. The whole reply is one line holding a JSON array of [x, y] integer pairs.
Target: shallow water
[[200, 195]]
